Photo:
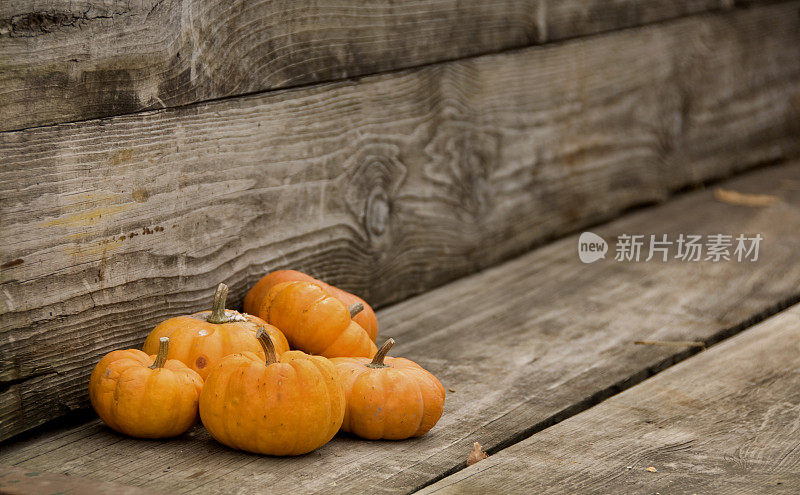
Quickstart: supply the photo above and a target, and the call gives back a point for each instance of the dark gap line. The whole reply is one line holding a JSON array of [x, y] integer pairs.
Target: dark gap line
[[623, 385]]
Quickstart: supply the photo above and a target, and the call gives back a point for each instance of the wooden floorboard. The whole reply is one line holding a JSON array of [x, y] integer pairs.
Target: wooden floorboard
[[518, 347], [15, 481], [387, 186], [65, 61], [725, 421]]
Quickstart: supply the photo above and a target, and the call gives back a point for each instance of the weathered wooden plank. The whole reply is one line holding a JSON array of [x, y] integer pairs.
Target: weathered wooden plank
[[724, 421], [566, 19], [518, 347], [15, 481], [73, 60], [387, 187]]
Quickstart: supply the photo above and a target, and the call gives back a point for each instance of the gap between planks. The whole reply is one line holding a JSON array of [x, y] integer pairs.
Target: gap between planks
[[724, 421], [692, 348]]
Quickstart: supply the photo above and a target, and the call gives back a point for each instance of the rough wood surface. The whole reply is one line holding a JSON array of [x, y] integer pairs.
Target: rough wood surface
[[518, 347], [386, 187], [724, 421], [15, 481], [67, 60]]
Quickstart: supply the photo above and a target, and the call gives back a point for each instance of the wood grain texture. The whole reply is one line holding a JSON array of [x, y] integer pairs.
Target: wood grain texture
[[15, 481], [724, 421], [386, 187], [67, 60], [518, 347]]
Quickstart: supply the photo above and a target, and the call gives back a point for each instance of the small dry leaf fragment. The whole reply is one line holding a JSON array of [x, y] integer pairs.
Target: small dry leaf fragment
[[744, 199], [652, 469], [476, 455]]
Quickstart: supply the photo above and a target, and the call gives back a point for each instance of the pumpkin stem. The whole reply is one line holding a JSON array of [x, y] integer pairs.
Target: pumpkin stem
[[161, 357], [269, 347], [218, 314], [377, 361], [355, 308]]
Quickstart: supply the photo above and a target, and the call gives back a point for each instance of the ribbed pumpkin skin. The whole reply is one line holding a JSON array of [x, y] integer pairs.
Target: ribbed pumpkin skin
[[255, 297], [138, 401], [314, 322], [400, 401], [201, 345], [287, 408]]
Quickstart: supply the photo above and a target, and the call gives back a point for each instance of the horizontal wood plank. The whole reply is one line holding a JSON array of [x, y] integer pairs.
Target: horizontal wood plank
[[386, 187], [518, 347], [15, 481], [725, 421], [75, 60]]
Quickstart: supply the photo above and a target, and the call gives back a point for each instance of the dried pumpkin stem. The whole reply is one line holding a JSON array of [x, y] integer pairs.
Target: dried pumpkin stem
[[269, 347], [218, 314], [161, 356], [355, 308], [377, 361]]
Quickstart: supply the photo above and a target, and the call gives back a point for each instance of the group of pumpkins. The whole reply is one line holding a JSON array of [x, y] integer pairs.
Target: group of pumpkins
[[237, 373]]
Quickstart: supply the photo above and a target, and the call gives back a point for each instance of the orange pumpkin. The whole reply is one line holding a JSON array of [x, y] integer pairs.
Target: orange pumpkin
[[252, 301], [268, 406], [315, 322], [202, 339], [390, 398], [145, 396]]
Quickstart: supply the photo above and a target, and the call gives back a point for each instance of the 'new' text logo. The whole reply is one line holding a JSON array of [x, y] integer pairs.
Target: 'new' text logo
[[591, 247]]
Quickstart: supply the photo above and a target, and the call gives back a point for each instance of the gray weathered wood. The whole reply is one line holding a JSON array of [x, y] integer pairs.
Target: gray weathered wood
[[73, 60], [15, 481], [518, 347], [387, 187], [725, 421]]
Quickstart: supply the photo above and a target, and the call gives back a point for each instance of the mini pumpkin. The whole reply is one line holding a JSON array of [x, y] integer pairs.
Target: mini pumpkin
[[202, 339], [255, 296], [145, 396], [314, 321], [389, 398], [269, 406]]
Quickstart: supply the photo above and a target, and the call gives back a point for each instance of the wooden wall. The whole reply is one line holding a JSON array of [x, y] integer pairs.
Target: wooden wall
[[387, 185], [67, 60]]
